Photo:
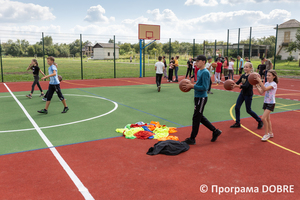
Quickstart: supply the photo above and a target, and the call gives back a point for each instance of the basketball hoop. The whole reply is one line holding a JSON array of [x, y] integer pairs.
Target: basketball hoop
[[149, 32]]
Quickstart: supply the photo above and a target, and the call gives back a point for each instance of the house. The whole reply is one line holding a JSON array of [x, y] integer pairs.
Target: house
[[286, 34], [105, 51], [87, 49]]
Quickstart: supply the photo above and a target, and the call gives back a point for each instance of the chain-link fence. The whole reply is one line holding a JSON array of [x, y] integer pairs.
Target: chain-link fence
[[105, 56]]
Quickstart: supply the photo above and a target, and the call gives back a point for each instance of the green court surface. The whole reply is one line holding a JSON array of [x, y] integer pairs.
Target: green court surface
[[95, 113]]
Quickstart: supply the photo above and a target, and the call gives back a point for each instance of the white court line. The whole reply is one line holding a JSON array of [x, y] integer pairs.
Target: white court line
[[82, 189]]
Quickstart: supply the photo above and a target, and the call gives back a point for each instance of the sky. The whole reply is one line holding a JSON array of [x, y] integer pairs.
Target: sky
[[182, 20]]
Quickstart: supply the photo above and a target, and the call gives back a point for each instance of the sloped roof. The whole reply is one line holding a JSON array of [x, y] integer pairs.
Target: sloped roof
[[89, 44], [290, 24], [105, 45]]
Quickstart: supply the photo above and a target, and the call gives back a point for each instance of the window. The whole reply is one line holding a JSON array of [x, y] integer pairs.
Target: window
[[108, 54], [287, 36]]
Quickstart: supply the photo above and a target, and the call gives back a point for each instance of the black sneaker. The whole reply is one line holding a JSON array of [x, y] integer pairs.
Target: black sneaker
[[42, 95], [176, 81], [190, 141], [44, 111], [209, 92], [236, 125], [65, 110], [158, 88], [216, 133], [260, 125], [29, 96]]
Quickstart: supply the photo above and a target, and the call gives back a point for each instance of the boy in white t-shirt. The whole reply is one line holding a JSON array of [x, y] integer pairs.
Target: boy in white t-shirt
[[210, 69], [159, 68], [230, 68]]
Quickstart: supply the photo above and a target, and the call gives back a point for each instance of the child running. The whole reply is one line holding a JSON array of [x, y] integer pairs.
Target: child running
[[245, 95], [270, 87], [200, 100], [34, 66], [53, 86]]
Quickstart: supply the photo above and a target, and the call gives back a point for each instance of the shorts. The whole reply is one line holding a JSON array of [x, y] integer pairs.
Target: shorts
[[241, 71], [269, 106], [52, 89]]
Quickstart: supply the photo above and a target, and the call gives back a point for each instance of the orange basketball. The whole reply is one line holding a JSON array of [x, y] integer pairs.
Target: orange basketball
[[182, 83], [214, 65], [228, 85], [251, 78]]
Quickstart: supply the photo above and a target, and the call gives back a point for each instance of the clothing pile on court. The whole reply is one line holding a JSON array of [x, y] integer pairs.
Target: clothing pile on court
[[153, 130]]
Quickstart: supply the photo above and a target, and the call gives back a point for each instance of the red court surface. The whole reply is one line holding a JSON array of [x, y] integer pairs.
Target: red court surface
[[119, 168]]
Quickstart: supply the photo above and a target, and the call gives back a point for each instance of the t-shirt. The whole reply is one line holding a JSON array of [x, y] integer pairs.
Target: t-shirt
[[247, 88], [219, 67], [165, 63], [261, 68], [241, 60], [230, 66], [202, 83], [207, 66], [268, 64], [176, 63], [53, 79], [159, 67], [35, 70], [219, 58], [194, 64], [190, 63], [225, 64], [270, 94], [172, 62]]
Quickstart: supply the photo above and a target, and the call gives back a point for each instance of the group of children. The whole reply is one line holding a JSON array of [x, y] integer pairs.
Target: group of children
[[200, 99], [54, 84]]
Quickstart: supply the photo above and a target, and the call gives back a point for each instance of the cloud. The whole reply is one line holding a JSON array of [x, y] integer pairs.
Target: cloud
[[234, 2], [167, 15], [96, 14], [16, 12], [201, 2]]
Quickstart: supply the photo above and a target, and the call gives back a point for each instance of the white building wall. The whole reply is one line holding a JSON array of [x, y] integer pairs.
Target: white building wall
[[105, 53], [280, 40]]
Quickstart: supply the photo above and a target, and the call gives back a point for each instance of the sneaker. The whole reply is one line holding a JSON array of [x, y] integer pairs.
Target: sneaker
[[29, 96], [176, 81], [44, 99], [236, 125], [210, 92], [65, 110], [43, 111], [215, 135], [260, 125], [265, 138], [190, 141], [271, 135], [158, 88], [42, 95]]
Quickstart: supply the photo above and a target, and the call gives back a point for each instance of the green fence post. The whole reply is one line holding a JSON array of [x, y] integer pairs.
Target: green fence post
[[275, 46], [1, 61], [193, 48], [43, 51], [81, 56], [215, 49], [204, 47], [237, 63], [115, 75], [144, 59], [227, 41], [250, 43], [170, 50]]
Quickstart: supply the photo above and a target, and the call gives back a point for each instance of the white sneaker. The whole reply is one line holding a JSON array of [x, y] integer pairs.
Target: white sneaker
[[265, 138], [271, 135]]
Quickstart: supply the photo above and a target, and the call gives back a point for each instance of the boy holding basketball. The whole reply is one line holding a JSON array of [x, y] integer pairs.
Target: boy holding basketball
[[53, 86], [200, 99]]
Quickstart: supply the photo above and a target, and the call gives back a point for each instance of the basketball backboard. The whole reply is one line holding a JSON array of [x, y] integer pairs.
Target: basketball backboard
[[149, 32]]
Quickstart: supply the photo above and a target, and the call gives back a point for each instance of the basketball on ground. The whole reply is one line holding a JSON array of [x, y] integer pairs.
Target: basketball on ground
[[228, 85], [252, 77], [214, 65], [59, 78], [182, 83]]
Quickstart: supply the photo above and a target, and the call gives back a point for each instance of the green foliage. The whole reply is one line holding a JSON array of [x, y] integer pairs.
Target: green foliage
[[290, 58]]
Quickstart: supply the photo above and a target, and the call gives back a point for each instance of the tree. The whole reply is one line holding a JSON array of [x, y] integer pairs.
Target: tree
[[110, 41]]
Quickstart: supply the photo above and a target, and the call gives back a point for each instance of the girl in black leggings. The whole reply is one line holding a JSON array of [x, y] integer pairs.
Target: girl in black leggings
[[34, 66]]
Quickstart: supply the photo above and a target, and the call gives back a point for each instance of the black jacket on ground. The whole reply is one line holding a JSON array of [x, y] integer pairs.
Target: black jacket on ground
[[168, 147]]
